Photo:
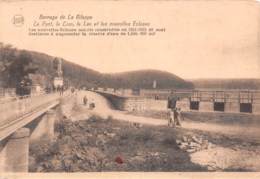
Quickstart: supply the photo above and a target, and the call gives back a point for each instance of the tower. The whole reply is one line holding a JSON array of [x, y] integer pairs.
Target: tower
[[58, 78], [57, 66], [59, 69]]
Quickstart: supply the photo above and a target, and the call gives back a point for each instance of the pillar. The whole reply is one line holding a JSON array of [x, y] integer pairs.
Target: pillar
[[206, 106], [45, 127], [256, 108], [51, 116], [14, 155], [232, 107]]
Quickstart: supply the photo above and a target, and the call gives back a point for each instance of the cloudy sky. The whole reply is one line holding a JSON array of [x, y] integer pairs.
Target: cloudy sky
[[203, 39]]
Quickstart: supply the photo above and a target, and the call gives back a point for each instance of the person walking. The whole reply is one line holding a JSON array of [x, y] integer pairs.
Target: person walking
[[171, 106], [177, 117], [85, 100], [61, 89], [171, 118]]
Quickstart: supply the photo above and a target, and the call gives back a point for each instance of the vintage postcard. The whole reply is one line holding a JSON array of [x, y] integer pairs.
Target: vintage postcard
[[122, 89]]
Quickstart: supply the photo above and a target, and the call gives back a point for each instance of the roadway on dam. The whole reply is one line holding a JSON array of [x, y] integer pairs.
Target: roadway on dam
[[104, 109]]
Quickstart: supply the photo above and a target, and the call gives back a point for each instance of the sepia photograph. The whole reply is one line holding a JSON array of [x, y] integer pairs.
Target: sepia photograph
[[129, 86]]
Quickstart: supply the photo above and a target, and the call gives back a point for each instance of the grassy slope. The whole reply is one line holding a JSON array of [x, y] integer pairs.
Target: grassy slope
[[94, 144]]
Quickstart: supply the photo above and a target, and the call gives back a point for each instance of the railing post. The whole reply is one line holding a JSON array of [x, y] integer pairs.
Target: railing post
[[14, 154]]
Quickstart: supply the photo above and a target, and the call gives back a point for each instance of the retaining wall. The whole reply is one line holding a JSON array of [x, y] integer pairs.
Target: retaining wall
[[142, 103]]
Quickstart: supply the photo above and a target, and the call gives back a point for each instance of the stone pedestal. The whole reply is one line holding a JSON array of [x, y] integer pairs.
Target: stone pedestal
[[14, 153]]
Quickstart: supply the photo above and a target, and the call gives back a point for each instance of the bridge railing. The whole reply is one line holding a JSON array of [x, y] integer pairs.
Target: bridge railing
[[19, 106]]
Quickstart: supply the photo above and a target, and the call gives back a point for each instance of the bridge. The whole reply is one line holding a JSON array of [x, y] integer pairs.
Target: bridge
[[25, 120]]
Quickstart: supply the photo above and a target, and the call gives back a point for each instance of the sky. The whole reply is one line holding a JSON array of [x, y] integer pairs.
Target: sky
[[203, 39]]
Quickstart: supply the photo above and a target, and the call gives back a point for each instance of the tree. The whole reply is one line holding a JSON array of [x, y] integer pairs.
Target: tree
[[15, 65], [7, 57]]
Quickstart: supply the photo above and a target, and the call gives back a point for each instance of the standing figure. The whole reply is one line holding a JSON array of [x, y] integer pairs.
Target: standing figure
[[58, 88], [85, 100], [177, 117], [171, 118], [175, 113], [61, 90], [171, 106]]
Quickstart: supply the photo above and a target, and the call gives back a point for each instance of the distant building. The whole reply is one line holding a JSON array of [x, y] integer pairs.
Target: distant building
[[58, 82]]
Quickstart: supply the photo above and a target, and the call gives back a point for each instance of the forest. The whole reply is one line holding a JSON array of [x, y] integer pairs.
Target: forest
[[16, 64]]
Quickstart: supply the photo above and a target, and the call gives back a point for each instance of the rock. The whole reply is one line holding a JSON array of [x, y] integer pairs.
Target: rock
[[100, 136], [210, 145], [211, 168], [46, 165], [154, 154], [79, 155], [88, 135], [191, 150], [193, 144], [111, 134], [105, 133], [101, 140], [139, 153], [197, 140], [183, 145], [40, 169], [178, 142], [184, 139], [204, 144], [138, 159], [56, 164]]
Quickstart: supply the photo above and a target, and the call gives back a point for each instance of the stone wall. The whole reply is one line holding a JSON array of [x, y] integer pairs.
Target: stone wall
[[139, 104], [231, 105], [256, 108]]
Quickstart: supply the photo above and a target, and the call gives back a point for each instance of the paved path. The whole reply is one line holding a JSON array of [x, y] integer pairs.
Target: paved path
[[103, 108]]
